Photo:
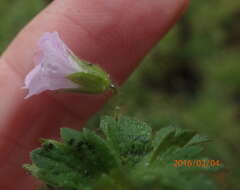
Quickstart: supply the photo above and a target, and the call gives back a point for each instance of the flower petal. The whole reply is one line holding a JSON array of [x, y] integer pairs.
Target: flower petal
[[53, 64]]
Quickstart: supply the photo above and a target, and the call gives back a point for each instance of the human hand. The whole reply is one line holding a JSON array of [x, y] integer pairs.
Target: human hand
[[117, 34]]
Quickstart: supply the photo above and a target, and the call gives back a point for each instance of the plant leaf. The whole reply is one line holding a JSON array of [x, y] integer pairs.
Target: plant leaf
[[130, 138]]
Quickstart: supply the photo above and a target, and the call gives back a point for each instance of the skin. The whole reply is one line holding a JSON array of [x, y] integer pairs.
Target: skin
[[116, 34]]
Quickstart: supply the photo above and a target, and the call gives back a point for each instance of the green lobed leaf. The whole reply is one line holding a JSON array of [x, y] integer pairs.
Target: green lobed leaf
[[130, 157], [94, 150], [169, 139], [130, 138]]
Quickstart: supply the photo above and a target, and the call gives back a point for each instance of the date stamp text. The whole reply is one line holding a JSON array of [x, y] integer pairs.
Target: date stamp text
[[197, 163]]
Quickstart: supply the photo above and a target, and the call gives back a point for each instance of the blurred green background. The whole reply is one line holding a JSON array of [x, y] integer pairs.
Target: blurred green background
[[191, 79]]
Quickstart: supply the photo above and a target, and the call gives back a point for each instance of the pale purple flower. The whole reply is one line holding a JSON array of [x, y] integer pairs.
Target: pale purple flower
[[55, 61]]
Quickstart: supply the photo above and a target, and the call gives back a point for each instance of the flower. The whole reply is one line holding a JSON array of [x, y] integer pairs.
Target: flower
[[58, 68]]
